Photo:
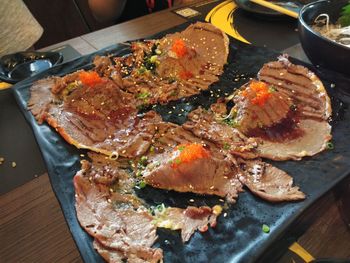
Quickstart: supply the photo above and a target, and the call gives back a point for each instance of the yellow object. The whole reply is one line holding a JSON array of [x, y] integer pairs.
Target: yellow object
[[217, 209], [276, 8], [301, 252], [221, 16], [4, 85]]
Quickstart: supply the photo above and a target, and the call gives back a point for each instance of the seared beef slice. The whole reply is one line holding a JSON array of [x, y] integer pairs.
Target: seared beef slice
[[193, 168], [102, 117], [122, 227], [175, 66], [286, 111]]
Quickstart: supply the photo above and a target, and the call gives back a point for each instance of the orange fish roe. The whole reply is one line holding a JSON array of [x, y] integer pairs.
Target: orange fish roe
[[90, 78], [189, 152], [261, 92], [186, 74], [179, 47]]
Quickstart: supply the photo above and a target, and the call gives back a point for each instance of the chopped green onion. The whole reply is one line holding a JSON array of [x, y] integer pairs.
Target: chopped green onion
[[143, 160], [153, 59], [143, 95], [181, 148], [140, 185], [171, 80], [293, 107], [177, 161], [174, 92], [265, 228], [272, 89], [160, 208], [141, 70], [330, 146], [226, 146], [231, 122]]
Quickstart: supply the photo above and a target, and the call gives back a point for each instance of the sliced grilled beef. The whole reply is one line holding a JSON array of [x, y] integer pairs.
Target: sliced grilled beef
[[107, 172], [206, 126], [286, 111], [110, 255], [169, 135], [115, 256], [269, 182], [41, 98], [188, 220], [175, 66], [103, 65], [102, 118], [301, 85], [314, 138], [117, 221], [259, 105], [193, 168]]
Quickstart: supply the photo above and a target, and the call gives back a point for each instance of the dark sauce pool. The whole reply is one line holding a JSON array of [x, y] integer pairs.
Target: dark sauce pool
[[288, 128]]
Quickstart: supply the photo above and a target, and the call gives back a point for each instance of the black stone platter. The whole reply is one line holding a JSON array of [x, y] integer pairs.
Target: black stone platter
[[238, 237]]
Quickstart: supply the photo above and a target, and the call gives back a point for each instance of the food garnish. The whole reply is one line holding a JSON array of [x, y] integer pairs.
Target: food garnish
[[262, 92], [141, 184], [90, 78], [330, 146], [179, 48], [265, 228], [188, 153]]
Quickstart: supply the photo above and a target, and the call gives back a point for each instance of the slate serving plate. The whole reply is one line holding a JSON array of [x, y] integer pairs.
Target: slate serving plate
[[238, 236]]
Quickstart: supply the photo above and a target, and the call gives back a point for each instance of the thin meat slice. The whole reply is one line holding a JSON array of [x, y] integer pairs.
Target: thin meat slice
[[175, 66], [41, 98], [259, 105], [301, 85], [114, 255], [192, 168], [269, 182], [206, 126], [102, 118], [105, 171], [286, 111], [314, 139], [108, 254], [188, 220], [115, 220]]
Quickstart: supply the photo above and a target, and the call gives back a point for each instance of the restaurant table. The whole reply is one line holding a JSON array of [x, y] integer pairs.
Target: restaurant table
[[32, 226]]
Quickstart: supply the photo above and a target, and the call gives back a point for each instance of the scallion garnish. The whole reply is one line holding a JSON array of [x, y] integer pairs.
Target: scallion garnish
[[265, 228]]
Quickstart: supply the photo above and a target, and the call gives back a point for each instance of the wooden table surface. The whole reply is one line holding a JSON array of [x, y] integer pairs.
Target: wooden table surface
[[32, 226]]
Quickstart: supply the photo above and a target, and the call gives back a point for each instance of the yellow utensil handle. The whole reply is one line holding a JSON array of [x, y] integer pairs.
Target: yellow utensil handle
[[276, 8]]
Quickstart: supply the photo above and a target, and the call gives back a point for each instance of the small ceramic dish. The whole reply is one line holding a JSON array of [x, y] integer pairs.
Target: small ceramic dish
[[18, 66]]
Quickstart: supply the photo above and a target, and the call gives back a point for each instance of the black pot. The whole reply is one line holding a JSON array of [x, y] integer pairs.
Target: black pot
[[320, 50]]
